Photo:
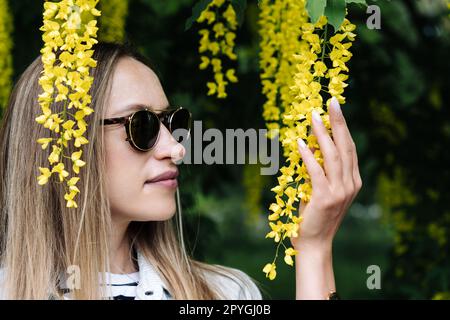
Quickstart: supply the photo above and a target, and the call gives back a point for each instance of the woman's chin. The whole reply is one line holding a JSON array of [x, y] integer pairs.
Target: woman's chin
[[157, 212]]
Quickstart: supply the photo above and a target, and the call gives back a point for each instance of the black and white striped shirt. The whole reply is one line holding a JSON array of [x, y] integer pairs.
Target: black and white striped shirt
[[124, 286]]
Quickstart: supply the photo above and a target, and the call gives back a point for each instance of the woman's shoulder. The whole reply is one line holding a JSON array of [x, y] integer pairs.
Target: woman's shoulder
[[232, 283]]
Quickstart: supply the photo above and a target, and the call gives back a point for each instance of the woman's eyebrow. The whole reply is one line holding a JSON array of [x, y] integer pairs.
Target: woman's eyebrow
[[131, 108], [135, 107]]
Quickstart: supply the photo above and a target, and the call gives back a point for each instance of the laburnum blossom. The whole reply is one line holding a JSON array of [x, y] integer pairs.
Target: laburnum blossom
[[302, 63], [279, 28], [217, 44], [45, 175], [270, 270], [69, 33]]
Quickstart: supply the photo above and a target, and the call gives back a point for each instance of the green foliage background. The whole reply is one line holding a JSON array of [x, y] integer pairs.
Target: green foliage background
[[397, 112]]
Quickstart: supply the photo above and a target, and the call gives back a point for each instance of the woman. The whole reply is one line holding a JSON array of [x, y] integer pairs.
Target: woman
[[122, 228]]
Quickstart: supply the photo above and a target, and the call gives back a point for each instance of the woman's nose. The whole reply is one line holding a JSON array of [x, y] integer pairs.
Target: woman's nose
[[168, 147]]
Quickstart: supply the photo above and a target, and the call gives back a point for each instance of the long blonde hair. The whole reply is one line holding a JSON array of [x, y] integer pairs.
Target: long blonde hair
[[40, 238]]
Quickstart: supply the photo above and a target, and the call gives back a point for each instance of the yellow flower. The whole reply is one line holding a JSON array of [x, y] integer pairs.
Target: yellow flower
[[79, 140], [50, 10], [217, 65], [296, 219], [205, 62], [274, 216], [290, 251], [230, 54], [231, 76], [70, 202], [62, 92], [72, 184], [67, 59], [230, 16], [212, 88], [229, 38], [68, 125], [77, 163], [276, 208], [74, 21], [44, 142], [278, 190], [59, 168], [45, 175], [288, 256], [288, 260], [207, 15], [270, 270], [290, 230], [276, 231], [54, 156], [219, 29], [214, 48], [319, 69]]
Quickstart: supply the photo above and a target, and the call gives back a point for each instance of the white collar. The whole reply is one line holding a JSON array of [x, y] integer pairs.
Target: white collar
[[150, 286]]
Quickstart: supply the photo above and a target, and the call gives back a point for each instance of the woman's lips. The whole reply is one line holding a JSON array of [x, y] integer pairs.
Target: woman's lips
[[166, 179], [168, 183]]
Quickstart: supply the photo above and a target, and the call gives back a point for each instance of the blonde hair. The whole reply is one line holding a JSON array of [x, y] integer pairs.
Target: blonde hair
[[40, 237]]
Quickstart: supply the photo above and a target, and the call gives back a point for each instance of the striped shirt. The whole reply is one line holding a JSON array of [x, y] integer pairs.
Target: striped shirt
[[124, 286]]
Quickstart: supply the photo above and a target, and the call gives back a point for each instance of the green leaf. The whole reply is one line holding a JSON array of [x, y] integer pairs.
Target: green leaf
[[315, 9], [196, 11], [239, 6], [335, 12], [356, 1]]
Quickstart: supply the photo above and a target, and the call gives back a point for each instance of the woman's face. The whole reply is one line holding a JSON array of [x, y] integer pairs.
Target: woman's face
[[130, 197]]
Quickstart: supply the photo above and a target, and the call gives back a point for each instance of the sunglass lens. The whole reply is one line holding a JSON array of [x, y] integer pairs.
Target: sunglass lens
[[144, 129], [181, 121]]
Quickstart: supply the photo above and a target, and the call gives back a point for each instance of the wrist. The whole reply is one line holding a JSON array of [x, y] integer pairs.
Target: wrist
[[318, 247], [321, 255], [314, 271]]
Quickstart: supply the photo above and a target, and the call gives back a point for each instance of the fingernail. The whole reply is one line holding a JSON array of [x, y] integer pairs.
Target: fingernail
[[335, 104], [316, 116], [301, 143]]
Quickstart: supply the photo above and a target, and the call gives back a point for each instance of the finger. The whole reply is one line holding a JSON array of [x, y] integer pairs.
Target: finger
[[343, 141], [301, 207], [315, 171], [356, 175], [331, 157]]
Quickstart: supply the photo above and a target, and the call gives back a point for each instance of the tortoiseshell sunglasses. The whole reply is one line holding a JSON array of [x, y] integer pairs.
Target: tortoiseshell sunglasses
[[143, 126]]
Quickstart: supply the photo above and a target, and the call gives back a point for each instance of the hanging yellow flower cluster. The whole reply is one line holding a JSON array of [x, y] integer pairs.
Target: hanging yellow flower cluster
[[320, 71], [279, 22], [218, 44], [6, 69], [69, 33], [112, 20]]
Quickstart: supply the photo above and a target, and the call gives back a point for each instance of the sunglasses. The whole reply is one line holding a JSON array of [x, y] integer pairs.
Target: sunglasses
[[143, 126]]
